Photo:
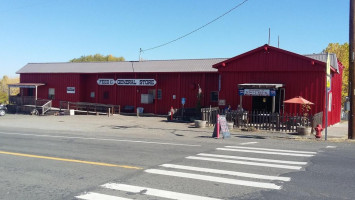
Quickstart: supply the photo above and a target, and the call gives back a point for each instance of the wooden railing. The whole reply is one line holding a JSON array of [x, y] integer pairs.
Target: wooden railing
[[22, 100], [90, 107]]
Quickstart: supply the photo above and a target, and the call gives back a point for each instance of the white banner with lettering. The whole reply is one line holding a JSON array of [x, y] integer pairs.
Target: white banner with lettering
[[127, 82], [256, 92]]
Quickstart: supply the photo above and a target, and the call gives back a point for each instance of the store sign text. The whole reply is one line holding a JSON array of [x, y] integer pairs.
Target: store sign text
[[127, 82], [257, 92], [105, 82]]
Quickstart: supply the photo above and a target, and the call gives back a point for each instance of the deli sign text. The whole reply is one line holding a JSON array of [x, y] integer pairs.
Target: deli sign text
[[127, 82]]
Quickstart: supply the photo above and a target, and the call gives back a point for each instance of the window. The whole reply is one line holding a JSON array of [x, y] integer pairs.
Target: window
[[214, 96], [159, 94], [51, 93], [92, 94], [106, 95]]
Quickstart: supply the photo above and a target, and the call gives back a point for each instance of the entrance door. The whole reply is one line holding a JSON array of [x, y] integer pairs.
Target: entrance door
[[30, 92], [261, 103]]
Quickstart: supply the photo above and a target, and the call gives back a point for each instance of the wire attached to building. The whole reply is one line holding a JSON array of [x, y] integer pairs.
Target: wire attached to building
[[201, 27]]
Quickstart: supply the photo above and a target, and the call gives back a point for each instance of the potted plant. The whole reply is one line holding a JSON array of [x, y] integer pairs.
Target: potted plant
[[304, 128]]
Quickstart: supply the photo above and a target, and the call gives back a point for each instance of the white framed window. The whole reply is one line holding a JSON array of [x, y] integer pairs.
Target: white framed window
[[51, 93]]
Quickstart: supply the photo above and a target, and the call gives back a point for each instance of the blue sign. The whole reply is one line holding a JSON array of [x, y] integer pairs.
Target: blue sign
[[272, 93], [183, 101], [241, 92]]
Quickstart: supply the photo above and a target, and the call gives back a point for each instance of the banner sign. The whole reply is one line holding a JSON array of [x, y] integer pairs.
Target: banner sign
[[105, 82], [70, 90], [127, 82], [136, 82], [223, 127], [257, 92]]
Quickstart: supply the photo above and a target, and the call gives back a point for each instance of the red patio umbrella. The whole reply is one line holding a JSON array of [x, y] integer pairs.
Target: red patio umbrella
[[299, 100], [304, 103]]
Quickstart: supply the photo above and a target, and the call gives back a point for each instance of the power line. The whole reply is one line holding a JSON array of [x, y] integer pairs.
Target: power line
[[201, 27]]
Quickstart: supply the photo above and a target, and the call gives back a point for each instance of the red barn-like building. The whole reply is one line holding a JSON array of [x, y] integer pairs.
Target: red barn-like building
[[272, 74], [163, 83]]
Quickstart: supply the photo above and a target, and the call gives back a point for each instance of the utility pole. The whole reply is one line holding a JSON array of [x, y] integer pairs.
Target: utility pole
[[351, 125]]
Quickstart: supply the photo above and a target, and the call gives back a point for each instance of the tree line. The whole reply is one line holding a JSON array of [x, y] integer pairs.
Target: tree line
[[98, 58], [4, 99], [342, 52]]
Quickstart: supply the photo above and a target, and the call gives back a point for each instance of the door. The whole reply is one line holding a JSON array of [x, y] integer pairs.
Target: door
[[261, 103]]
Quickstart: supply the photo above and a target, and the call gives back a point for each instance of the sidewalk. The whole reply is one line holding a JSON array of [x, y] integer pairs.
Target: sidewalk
[[339, 130]]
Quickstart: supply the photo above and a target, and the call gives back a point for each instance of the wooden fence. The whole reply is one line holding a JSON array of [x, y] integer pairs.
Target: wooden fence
[[87, 108], [263, 120]]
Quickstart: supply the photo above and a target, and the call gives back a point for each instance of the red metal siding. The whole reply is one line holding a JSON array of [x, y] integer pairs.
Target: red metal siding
[[300, 76], [178, 84], [58, 81], [88, 84], [336, 87]]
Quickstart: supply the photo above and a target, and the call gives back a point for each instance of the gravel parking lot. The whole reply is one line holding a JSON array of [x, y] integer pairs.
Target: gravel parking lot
[[136, 126]]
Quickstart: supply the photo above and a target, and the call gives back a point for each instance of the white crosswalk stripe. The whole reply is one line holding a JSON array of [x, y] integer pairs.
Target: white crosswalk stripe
[[253, 159], [226, 172], [266, 152], [245, 143], [215, 179], [331, 147], [98, 196], [245, 162], [275, 150], [214, 175], [154, 192]]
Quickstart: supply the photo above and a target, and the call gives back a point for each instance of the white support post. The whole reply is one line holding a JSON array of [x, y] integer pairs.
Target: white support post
[[273, 104], [36, 94]]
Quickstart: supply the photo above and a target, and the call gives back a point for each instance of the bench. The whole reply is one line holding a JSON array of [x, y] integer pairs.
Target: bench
[[128, 108]]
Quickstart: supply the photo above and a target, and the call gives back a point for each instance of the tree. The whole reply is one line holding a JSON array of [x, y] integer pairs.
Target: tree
[[342, 52], [4, 88], [98, 58]]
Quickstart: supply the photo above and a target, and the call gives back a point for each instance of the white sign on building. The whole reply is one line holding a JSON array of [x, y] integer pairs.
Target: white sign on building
[[70, 90], [136, 82], [105, 81]]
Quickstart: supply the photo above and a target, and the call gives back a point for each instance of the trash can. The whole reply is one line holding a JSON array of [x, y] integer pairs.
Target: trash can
[[140, 109], [71, 112]]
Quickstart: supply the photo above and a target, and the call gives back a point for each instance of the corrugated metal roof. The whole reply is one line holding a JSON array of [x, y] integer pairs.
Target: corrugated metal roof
[[323, 58], [188, 65]]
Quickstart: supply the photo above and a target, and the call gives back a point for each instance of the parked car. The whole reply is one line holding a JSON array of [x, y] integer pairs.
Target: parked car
[[3, 110]]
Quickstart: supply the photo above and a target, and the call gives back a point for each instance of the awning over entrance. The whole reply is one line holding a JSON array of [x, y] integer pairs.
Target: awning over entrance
[[259, 86], [264, 91], [25, 85]]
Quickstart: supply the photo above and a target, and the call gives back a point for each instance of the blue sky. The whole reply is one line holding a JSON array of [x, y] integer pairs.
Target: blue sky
[[59, 30]]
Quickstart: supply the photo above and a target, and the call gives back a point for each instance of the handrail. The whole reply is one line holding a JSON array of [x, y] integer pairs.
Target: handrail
[[47, 106]]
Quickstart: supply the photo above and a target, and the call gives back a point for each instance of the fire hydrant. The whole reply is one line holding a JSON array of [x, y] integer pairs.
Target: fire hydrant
[[318, 129], [171, 113]]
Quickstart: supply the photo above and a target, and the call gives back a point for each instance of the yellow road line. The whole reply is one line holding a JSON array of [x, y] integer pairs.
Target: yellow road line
[[69, 160]]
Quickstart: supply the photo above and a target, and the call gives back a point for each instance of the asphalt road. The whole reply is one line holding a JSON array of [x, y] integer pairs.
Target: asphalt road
[[145, 160]]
